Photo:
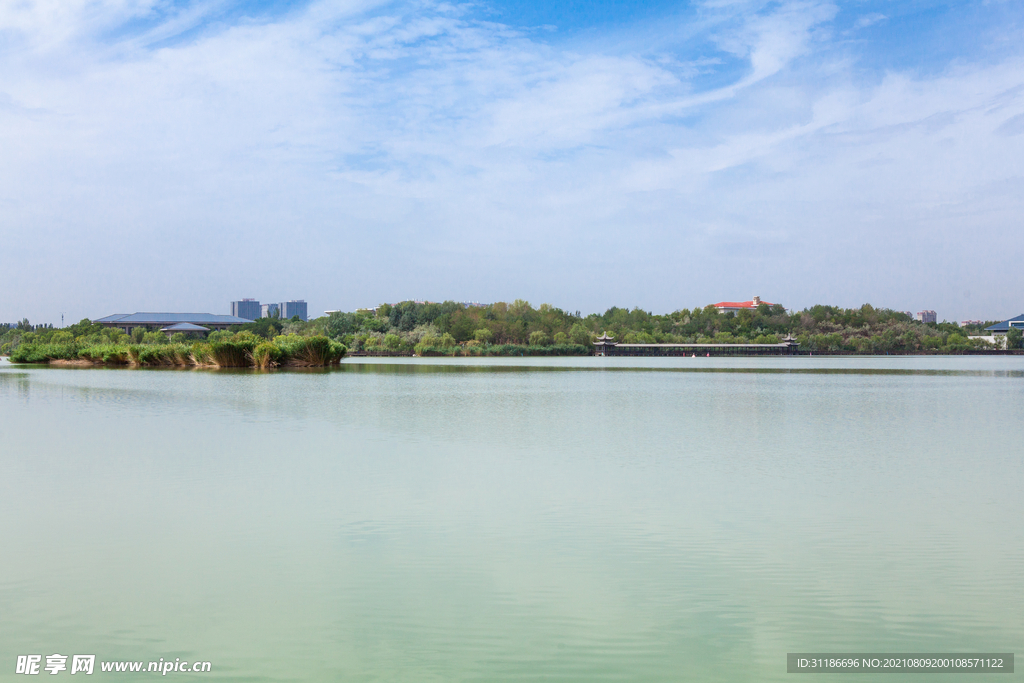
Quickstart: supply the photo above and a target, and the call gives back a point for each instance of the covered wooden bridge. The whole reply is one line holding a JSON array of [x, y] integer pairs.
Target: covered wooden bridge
[[607, 346]]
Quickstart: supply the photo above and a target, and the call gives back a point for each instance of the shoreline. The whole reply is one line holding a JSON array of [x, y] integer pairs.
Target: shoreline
[[298, 364]]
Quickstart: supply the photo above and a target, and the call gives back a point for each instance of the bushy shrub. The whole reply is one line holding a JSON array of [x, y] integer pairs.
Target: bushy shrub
[[43, 353], [219, 336]]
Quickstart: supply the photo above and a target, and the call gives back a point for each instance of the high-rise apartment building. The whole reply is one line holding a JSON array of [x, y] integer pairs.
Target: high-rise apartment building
[[246, 308], [290, 309], [926, 316], [250, 309]]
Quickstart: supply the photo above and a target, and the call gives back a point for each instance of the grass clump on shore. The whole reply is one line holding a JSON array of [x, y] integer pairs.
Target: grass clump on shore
[[266, 355], [243, 350], [101, 354], [43, 353]]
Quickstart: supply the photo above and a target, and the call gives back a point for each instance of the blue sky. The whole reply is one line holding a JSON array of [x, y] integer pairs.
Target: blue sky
[[175, 156]]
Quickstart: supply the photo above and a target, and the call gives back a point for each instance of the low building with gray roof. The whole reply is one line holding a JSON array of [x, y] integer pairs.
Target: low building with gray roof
[[129, 321]]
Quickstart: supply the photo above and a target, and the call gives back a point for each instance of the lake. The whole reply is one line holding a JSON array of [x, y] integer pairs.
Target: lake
[[541, 519]]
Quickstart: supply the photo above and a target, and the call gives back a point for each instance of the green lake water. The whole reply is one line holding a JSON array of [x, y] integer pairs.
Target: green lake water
[[590, 519]]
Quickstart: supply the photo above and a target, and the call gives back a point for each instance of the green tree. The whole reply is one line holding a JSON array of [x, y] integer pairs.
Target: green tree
[[138, 334], [519, 308], [957, 342], [1014, 339], [85, 327], [579, 334], [483, 335], [539, 338]]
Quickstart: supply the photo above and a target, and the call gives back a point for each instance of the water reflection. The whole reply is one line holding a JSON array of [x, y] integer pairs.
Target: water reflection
[[474, 521]]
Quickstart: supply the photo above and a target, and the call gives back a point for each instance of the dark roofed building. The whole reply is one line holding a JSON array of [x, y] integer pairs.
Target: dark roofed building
[[1004, 327], [129, 321]]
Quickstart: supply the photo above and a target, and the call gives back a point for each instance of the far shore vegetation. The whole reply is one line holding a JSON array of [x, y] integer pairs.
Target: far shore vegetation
[[499, 329]]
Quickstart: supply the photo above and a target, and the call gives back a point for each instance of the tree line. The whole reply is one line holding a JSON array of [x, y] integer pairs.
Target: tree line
[[518, 328]]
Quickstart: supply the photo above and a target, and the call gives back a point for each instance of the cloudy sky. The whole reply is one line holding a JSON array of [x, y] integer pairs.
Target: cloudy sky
[[162, 155]]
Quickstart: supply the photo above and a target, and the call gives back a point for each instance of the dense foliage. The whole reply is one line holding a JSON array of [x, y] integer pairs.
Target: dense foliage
[[440, 328], [504, 329], [152, 348]]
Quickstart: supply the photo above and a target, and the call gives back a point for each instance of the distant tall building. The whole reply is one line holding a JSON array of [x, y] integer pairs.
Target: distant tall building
[[270, 310], [926, 316], [290, 309], [246, 308]]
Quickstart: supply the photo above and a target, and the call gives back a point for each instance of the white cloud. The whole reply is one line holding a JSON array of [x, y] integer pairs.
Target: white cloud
[[356, 152], [866, 20], [772, 39]]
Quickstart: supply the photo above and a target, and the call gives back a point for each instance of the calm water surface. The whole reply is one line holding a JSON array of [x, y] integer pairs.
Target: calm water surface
[[514, 519]]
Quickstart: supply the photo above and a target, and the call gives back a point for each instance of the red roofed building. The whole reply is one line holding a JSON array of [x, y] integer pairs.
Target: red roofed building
[[737, 306]]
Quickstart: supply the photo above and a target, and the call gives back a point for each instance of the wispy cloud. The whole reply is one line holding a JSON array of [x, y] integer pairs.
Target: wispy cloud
[[400, 148]]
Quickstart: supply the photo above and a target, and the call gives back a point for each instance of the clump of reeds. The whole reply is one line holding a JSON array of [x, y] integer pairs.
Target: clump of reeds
[[265, 355], [223, 354], [201, 355], [178, 355], [315, 351], [230, 354], [242, 351], [112, 354]]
